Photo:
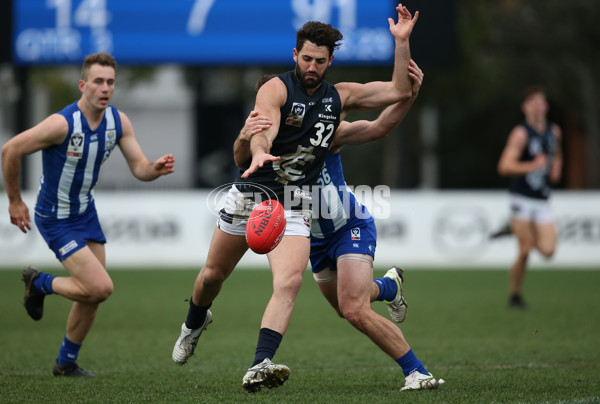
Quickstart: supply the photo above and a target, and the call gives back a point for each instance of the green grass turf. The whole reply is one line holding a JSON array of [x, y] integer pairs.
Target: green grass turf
[[458, 324]]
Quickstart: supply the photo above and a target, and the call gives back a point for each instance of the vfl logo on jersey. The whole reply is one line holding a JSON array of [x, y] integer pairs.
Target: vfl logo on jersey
[[296, 115], [355, 233], [75, 148], [110, 139]]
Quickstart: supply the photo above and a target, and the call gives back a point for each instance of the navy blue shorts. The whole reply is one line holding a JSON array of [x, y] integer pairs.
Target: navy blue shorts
[[66, 236], [360, 238]]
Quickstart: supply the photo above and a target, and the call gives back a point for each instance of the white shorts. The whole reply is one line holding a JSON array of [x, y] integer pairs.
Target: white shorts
[[531, 209], [234, 216]]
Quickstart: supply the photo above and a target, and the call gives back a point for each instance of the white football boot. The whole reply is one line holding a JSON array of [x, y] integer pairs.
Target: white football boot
[[187, 341], [397, 307], [265, 374], [420, 381]]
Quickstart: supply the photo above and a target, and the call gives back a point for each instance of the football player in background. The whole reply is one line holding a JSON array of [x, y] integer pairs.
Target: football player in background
[[305, 111], [74, 144], [532, 159]]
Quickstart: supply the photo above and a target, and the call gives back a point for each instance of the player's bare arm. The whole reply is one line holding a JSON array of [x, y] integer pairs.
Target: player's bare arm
[[509, 164], [361, 132], [269, 100], [556, 170], [255, 123], [51, 131], [380, 94], [142, 168]]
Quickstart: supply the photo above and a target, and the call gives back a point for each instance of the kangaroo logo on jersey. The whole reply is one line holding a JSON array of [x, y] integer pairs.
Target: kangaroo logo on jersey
[[296, 115], [111, 139], [75, 148]]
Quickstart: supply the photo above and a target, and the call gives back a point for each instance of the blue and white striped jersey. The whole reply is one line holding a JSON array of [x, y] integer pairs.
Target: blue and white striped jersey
[[70, 170], [337, 205]]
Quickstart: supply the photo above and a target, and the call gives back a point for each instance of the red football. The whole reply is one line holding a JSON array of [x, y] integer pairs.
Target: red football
[[265, 226]]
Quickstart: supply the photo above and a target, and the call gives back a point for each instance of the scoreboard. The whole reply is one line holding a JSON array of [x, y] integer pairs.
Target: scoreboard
[[195, 32]]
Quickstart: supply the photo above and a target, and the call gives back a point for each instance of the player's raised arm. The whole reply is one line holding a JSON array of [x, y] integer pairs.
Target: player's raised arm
[[363, 131], [379, 94]]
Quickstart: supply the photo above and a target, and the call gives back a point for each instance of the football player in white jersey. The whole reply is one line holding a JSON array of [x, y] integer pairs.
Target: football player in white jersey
[[74, 143]]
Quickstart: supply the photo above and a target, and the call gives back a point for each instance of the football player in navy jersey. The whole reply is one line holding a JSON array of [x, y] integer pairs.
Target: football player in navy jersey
[[305, 111], [343, 240], [532, 159], [74, 144]]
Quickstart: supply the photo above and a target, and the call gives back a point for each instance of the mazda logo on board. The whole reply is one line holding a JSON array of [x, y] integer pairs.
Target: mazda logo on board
[[461, 231]]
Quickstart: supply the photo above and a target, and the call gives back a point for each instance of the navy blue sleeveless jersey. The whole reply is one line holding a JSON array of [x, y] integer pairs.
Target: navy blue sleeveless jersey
[[535, 184], [70, 169], [338, 208], [307, 127]]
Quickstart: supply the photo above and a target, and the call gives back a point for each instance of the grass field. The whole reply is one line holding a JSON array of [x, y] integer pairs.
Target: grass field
[[458, 324]]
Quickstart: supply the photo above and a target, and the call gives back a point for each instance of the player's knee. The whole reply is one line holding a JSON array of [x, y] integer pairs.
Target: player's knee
[[290, 285], [101, 292], [524, 250], [212, 275], [354, 314], [356, 319], [547, 252]]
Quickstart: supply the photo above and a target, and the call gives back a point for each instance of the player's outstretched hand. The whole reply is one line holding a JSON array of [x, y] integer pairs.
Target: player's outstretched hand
[[165, 165], [19, 215], [258, 161], [403, 28]]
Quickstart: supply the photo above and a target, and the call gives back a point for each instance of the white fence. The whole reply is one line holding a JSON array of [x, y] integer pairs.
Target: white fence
[[172, 230]]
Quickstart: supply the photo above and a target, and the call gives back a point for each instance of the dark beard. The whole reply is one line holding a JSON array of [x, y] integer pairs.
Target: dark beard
[[309, 83]]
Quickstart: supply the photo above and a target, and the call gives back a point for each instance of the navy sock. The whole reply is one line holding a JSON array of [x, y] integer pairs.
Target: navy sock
[[268, 342], [68, 352], [43, 283], [387, 289], [410, 363], [196, 315]]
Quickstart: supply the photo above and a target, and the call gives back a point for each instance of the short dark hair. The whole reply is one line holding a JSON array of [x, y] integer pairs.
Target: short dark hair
[[263, 80], [102, 59], [533, 89], [320, 34]]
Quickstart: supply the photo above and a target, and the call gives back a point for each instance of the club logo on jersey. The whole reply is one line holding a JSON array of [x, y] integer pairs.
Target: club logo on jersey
[[355, 233], [535, 147], [110, 139], [296, 115], [75, 148]]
